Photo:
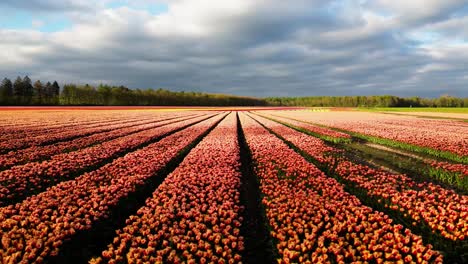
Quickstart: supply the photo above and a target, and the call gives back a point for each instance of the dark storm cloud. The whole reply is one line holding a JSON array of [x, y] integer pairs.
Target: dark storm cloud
[[270, 48]]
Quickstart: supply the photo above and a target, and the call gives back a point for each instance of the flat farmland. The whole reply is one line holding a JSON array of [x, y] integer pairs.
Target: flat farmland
[[231, 185]]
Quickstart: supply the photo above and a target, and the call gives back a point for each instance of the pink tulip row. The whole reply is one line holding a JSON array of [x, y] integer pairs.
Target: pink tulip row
[[441, 209], [452, 174], [35, 130], [310, 127], [312, 218], [36, 229], [336, 118], [451, 136], [20, 181], [460, 170], [44, 135], [43, 138], [24, 121], [42, 152], [37, 134], [194, 215]]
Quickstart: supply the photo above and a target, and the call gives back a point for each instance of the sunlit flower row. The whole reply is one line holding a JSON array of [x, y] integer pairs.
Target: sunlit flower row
[[40, 137], [461, 169], [36, 228], [312, 218], [454, 174], [22, 123], [194, 215], [21, 181], [444, 135], [35, 153], [441, 209], [310, 127]]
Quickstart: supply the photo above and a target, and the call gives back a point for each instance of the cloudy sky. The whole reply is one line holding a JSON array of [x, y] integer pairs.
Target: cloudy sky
[[244, 47]]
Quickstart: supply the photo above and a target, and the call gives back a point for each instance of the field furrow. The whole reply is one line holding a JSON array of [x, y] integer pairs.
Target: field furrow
[[313, 219], [440, 138], [450, 174], [135, 185], [37, 132], [41, 138], [21, 141], [38, 153], [60, 119], [195, 215], [319, 131], [52, 226], [438, 214], [20, 182]]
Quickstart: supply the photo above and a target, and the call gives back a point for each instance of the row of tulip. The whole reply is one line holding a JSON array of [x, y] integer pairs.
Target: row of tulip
[[319, 131], [450, 173], [35, 132], [24, 121], [44, 135], [442, 210], [22, 181], [445, 154], [458, 168], [194, 215], [37, 153], [38, 228], [43, 138], [443, 138], [453, 174], [312, 218], [29, 135]]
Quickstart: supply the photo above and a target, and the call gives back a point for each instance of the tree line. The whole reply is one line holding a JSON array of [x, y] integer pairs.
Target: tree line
[[23, 92], [73, 94], [369, 101]]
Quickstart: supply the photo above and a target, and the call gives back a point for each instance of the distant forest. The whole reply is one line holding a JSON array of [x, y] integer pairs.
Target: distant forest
[[369, 101], [24, 92]]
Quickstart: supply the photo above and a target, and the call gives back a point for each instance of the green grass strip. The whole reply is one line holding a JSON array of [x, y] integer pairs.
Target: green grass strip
[[335, 140], [457, 110]]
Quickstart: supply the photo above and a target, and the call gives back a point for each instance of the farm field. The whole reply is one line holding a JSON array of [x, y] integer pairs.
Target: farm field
[[448, 113], [231, 185], [460, 110]]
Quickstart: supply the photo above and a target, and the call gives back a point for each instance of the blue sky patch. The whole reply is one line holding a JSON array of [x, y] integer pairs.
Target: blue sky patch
[[21, 20], [152, 8]]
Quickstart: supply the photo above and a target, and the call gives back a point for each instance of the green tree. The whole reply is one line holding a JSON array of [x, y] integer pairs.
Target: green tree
[[48, 89], [28, 88], [6, 91], [39, 92], [104, 92], [52, 93], [55, 89], [28, 91], [18, 87], [69, 94], [6, 87]]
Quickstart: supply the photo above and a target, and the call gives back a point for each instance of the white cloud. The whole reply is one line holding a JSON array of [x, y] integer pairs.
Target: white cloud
[[454, 28], [434, 67], [417, 11], [266, 47]]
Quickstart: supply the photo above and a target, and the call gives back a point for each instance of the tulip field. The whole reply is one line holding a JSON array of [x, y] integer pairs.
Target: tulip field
[[237, 185]]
